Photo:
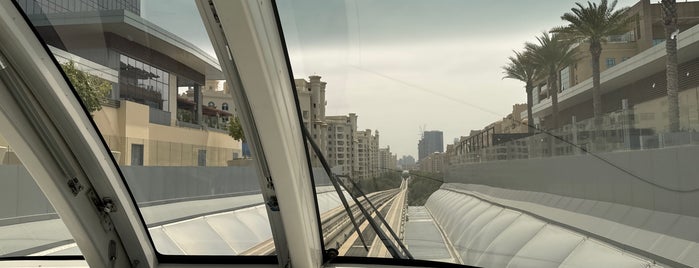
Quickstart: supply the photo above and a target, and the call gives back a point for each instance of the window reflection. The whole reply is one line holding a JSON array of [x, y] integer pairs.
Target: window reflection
[[193, 181], [140, 82]]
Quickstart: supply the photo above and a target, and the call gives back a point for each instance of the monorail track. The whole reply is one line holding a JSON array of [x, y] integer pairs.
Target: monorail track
[[337, 227]]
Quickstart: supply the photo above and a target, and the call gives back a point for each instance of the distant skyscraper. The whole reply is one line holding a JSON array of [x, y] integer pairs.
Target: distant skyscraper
[[432, 141], [406, 161]]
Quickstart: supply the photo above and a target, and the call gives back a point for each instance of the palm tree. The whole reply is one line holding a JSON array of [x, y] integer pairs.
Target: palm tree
[[593, 24], [550, 55], [523, 69], [669, 8]]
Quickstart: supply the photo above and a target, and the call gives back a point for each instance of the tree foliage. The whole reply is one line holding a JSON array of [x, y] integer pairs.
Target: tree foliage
[[92, 90], [421, 186], [594, 24], [387, 180], [235, 129], [551, 54], [521, 67]]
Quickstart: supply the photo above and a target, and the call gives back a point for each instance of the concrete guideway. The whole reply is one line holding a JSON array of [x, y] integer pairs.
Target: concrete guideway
[[338, 230], [353, 246], [395, 218]]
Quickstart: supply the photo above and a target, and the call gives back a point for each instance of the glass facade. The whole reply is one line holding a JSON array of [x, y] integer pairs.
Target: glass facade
[[564, 78], [70, 6], [143, 83]]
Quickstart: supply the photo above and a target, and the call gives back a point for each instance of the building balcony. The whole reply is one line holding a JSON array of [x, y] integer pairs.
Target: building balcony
[[642, 65]]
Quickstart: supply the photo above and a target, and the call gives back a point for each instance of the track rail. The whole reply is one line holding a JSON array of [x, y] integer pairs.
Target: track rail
[[335, 223]]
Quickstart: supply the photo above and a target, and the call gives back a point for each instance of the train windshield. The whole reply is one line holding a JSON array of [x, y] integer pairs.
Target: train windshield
[[520, 134], [434, 133]]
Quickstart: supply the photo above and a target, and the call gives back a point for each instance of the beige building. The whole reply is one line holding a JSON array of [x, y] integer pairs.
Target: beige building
[[136, 141], [342, 146], [348, 151], [393, 161], [645, 32], [312, 102], [388, 162], [144, 121], [514, 122], [154, 140], [216, 94], [433, 163], [634, 96], [494, 142], [367, 155], [218, 104]]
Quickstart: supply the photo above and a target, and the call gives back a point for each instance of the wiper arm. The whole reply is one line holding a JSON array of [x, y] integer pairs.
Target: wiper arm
[[392, 249], [383, 221], [384, 239], [334, 181]]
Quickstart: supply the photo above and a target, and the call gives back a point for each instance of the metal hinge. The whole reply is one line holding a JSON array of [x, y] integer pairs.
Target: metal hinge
[[273, 203], [75, 186], [104, 207], [270, 183]]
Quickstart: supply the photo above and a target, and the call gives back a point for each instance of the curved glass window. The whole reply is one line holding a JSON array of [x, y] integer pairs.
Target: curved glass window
[[29, 225], [493, 138], [147, 65]]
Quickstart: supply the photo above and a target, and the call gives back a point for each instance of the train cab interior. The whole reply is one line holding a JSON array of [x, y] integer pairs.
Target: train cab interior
[[151, 133]]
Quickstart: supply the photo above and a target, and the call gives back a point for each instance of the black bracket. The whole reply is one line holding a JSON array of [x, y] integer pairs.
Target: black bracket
[[273, 203], [75, 186], [104, 207]]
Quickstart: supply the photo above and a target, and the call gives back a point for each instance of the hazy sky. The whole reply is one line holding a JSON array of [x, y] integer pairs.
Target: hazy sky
[[402, 64]]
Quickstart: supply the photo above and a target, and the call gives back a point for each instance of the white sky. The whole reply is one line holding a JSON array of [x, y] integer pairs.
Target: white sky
[[403, 64]]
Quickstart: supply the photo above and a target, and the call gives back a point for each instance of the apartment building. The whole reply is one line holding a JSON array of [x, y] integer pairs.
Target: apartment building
[[367, 155], [348, 150], [388, 162], [407, 162], [311, 96], [629, 51], [496, 141], [433, 163], [514, 122], [342, 145], [218, 106], [634, 97]]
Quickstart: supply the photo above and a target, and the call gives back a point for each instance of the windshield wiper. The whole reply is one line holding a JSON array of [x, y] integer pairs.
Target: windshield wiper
[[392, 249], [383, 220], [334, 180]]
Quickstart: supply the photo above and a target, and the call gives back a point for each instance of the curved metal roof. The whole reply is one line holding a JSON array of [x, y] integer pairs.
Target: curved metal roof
[[212, 234], [488, 235]]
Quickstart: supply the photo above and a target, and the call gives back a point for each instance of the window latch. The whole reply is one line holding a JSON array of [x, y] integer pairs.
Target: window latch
[[104, 207]]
